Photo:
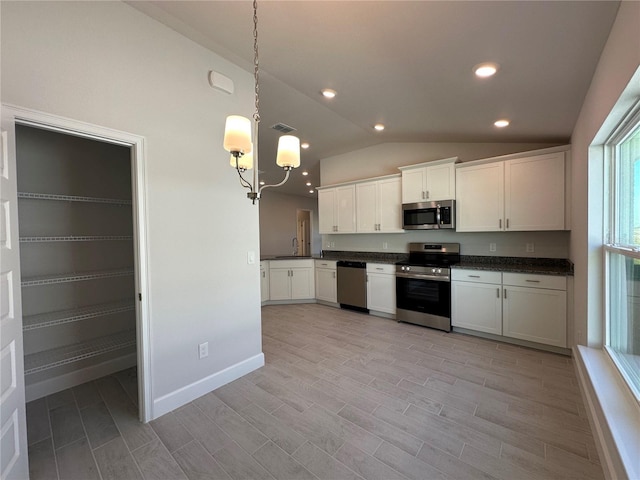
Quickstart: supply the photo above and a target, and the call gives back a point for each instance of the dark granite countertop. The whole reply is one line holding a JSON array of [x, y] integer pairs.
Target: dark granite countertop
[[542, 266]]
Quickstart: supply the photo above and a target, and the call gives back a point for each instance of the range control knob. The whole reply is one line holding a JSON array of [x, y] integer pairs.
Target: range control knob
[[439, 270], [434, 270]]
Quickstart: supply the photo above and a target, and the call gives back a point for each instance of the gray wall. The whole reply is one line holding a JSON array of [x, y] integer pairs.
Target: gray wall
[[107, 64], [278, 222], [601, 110]]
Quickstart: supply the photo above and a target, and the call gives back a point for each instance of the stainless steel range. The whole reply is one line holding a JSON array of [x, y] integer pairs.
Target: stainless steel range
[[423, 285]]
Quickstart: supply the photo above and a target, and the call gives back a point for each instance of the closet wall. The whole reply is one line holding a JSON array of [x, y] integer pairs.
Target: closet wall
[[77, 258]]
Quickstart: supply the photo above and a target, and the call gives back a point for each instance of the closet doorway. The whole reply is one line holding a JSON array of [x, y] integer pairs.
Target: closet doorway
[[303, 232], [82, 254]]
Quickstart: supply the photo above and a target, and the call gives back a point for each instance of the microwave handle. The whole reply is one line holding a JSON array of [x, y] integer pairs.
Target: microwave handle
[[438, 215]]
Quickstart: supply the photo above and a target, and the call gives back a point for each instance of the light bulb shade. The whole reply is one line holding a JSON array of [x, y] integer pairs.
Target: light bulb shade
[[288, 152], [237, 134], [245, 161]]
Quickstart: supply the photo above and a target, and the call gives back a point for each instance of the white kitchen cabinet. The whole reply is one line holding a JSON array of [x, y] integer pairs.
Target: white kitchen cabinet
[[326, 281], [291, 280], [476, 300], [522, 194], [381, 288], [337, 209], [264, 281], [535, 308], [429, 181], [379, 206]]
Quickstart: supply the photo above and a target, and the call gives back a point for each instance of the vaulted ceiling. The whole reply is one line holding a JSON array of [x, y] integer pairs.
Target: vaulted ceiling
[[407, 64]]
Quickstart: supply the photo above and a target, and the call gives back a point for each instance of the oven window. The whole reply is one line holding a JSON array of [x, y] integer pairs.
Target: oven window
[[426, 296], [425, 216]]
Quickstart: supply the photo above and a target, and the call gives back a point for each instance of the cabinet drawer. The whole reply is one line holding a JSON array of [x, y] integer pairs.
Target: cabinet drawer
[[389, 268], [477, 276], [330, 264], [552, 282], [303, 263]]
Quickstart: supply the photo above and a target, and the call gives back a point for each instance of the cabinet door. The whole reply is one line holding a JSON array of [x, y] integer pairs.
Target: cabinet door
[[302, 283], [536, 314], [440, 182], [279, 284], [413, 185], [264, 285], [476, 306], [480, 198], [390, 205], [366, 207], [534, 193], [326, 208], [326, 285], [345, 212], [381, 292]]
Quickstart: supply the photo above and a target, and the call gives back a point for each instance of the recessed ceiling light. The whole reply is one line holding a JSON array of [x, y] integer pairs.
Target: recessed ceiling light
[[261, 182], [486, 69], [310, 191], [308, 184], [328, 93], [304, 145], [305, 173], [501, 123], [379, 127]]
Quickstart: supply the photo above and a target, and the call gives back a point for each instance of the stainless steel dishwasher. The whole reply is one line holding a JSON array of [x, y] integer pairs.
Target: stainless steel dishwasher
[[352, 285]]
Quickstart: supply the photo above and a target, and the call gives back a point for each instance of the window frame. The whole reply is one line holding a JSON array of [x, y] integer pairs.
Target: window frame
[[629, 124]]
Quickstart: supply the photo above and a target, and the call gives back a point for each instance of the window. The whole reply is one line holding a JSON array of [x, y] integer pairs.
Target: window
[[622, 253]]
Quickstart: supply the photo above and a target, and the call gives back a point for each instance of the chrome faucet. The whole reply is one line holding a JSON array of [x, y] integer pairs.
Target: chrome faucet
[[294, 245]]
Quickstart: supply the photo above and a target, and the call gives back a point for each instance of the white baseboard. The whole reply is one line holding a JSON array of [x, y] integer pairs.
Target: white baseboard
[[77, 377], [188, 393], [613, 413]]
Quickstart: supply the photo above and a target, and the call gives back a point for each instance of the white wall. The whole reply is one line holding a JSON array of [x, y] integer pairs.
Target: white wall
[[107, 64], [385, 159], [619, 61], [278, 222]]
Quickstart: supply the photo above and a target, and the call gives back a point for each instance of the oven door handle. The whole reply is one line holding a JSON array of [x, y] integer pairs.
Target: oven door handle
[[425, 276]]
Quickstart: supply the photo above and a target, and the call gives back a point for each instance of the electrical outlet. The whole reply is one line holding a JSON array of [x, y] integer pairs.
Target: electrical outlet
[[385, 245], [333, 244], [492, 247], [203, 350], [530, 248]]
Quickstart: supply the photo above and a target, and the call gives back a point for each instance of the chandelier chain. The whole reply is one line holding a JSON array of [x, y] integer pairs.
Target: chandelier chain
[[256, 74]]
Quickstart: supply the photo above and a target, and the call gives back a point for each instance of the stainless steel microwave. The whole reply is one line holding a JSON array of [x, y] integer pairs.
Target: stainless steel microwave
[[429, 215]]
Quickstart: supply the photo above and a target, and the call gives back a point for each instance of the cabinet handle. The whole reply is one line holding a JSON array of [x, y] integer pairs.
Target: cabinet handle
[[334, 274], [507, 223], [378, 268], [505, 293], [427, 194], [497, 293], [263, 274], [500, 223], [473, 276], [533, 281], [423, 194]]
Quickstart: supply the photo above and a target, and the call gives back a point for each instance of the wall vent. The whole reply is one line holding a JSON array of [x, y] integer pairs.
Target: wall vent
[[283, 128]]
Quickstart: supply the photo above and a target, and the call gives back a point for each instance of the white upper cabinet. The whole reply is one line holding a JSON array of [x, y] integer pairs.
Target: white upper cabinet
[[336, 209], [379, 206], [429, 181], [522, 194], [534, 193], [480, 198]]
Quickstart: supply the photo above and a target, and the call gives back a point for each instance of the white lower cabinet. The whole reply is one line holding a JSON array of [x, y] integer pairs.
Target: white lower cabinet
[[476, 300], [264, 281], [516, 305], [381, 288], [291, 280], [535, 308], [326, 281]]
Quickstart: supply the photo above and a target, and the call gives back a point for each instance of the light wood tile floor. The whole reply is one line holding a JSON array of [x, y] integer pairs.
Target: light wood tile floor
[[342, 396]]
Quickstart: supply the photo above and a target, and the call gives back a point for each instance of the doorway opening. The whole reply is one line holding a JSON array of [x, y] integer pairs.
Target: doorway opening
[[303, 232]]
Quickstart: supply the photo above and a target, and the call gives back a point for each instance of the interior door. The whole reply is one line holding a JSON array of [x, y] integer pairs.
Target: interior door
[[13, 426]]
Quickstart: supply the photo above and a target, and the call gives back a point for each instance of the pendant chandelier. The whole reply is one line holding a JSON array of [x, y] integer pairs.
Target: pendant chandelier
[[238, 138]]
